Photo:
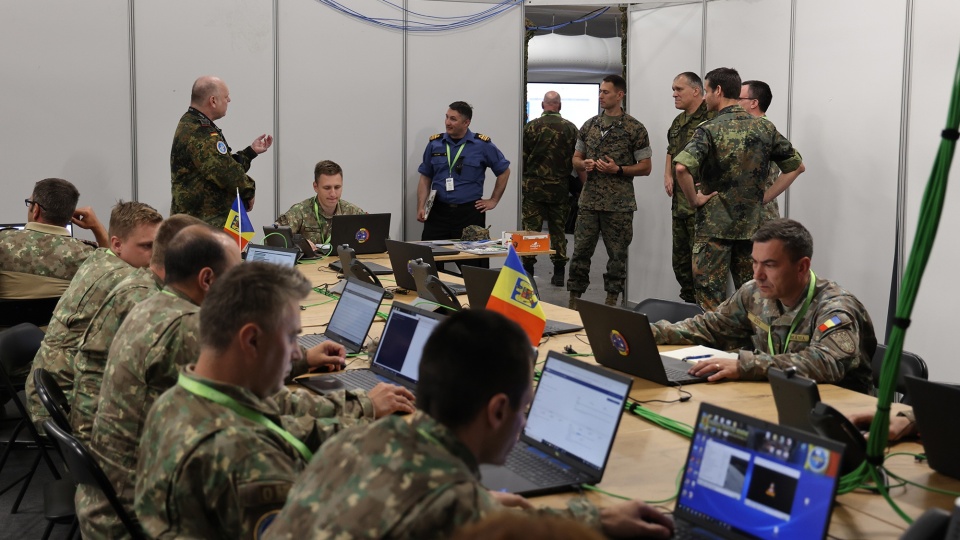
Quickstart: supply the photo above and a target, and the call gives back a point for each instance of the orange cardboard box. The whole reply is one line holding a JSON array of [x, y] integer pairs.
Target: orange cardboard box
[[530, 241]]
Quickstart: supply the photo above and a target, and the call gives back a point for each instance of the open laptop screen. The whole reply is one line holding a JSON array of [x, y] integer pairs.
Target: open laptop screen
[[576, 411], [355, 310], [275, 255], [401, 344], [753, 479]]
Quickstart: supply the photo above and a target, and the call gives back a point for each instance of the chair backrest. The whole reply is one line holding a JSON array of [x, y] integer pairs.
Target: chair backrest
[[53, 398], [910, 364], [85, 470], [18, 346], [36, 311], [658, 310]]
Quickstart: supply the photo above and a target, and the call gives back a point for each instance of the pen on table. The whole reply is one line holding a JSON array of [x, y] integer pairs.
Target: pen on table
[[699, 357]]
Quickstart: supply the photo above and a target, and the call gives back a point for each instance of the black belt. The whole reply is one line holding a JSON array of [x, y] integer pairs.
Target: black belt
[[454, 205]]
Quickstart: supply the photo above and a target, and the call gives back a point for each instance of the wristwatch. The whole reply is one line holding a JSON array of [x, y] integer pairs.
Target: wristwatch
[[620, 170]]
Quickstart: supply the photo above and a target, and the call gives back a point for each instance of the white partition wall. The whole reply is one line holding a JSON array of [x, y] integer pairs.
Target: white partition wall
[[65, 106]]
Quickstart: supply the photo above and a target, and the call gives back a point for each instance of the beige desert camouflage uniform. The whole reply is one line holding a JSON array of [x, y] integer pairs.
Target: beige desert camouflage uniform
[[833, 343], [306, 218], [400, 478]]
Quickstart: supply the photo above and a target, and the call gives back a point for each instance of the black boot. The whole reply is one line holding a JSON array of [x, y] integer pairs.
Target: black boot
[[528, 268], [557, 278]]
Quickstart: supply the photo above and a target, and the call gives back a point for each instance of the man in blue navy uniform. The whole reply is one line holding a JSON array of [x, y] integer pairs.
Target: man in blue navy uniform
[[455, 164]]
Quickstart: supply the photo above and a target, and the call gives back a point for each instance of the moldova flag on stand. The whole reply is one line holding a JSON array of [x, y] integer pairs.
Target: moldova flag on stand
[[513, 296], [238, 224]]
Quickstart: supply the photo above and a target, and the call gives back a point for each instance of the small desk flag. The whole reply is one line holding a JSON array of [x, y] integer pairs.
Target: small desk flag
[[514, 297]]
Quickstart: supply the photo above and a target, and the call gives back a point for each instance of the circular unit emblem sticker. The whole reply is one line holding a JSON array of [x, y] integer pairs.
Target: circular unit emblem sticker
[[362, 235], [619, 343]]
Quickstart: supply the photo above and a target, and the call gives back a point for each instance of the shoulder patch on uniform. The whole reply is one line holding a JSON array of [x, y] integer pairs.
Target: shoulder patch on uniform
[[844, 341], [829, 323], [483, 137], [435, 137]]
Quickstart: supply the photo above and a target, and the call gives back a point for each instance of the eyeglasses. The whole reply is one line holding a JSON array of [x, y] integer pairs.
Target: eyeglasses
[[28, 202], [747, 98]]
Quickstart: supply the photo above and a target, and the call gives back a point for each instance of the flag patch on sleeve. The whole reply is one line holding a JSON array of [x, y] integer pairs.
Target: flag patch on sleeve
[[829, 323]]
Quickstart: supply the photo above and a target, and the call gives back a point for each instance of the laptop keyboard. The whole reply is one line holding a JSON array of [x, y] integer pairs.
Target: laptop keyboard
[[363, 379], [312, 340], [684, 530], [552, 328], [537, 470]]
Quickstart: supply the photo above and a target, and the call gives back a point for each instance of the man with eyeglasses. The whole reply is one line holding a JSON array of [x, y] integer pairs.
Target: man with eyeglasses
[[731, 156], [755, 98], [40, 260]]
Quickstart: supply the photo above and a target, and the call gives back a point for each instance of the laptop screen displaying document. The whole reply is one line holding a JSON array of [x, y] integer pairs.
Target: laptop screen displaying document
[[402, 341], [355, 311], [271, 254], [746, 478]]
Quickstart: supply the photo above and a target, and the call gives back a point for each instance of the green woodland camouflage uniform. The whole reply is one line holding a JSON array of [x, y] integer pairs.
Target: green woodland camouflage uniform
[[307, 218], [204, 174], [731, 155], [833, 343], [206, 472], [548, 146], [40, 250], [607, 202], [771, 210], [679, 134], [91, 358], [97, 276], [401, 478]]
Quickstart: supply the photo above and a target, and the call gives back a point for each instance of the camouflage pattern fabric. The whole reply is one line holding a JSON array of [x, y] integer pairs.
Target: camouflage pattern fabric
[[97, 276], [91, 358], [771, 210], [39, 250], [626, 142], [731, 155], [400, 478], [548, 146], [227, 476], [313, 225], [204, 173], [712, 261], [616, 229], [475, 233], [683, 231], [833, 343]]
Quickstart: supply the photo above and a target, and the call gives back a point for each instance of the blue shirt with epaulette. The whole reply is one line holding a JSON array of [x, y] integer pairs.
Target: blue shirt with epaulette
[[479, 153]]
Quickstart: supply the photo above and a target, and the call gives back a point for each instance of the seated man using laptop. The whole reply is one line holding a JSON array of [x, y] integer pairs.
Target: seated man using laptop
[[313, 217], [417, 476], [785, 317]]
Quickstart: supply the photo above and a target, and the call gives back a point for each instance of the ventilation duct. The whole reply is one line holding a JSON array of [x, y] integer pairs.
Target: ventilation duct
[[556, 58]]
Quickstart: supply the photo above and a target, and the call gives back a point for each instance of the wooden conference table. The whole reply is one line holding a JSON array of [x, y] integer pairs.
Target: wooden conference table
[[646, 459]]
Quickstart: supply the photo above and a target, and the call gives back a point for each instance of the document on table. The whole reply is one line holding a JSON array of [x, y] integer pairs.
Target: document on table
[[699, 352]]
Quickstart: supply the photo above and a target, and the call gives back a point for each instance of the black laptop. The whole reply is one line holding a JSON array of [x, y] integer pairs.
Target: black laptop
[[283, 236], [795, 397], [397, 359], [351, 319], [272, 254], [346, 258], [365, 233], [622, 340], [480, 283], [932, 405], [569, 433], [747, 478], [401, 253]]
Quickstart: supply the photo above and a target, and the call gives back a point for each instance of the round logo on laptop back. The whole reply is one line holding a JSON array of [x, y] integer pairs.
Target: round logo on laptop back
[[619, 343], [362, 235]]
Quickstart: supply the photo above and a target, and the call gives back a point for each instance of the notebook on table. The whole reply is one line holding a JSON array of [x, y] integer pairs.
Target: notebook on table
[[569, 433], [480, 283], [401, 253], [747, 478], [397, 359], [272, 254], [365, 233], [622, 340], [352, 317]]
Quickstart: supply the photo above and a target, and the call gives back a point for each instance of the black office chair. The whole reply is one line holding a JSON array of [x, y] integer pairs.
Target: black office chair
[[658, 310], [18, 346], [910, 364], [53, 398], [36, 311], [86, 471]]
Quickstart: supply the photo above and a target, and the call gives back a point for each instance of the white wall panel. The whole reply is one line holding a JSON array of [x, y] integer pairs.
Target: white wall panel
[[65, 110], [180, 40]]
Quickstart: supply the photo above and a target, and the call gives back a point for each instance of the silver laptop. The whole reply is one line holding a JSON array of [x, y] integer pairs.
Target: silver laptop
[[351, 319], [272, 254]]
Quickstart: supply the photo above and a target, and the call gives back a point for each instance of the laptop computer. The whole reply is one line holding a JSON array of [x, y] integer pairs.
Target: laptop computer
[[941, 437], [795, 397], [746, 478], [282, 236], [401, 253], [480, 283], [569, 433], [622, 340], [365, 233], [271, 254], [352, 317], [397, 359], [346, 257], [438, 247]]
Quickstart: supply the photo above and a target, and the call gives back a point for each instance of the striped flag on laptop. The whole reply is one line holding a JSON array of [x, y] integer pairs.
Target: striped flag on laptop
[[514, 297]]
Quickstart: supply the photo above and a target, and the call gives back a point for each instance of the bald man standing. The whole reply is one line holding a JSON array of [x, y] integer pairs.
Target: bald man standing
[[204, 171]]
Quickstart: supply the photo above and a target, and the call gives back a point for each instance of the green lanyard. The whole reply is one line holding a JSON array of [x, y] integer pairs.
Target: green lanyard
[[797, 319], [449, 164], [220, 398], [316, 212]]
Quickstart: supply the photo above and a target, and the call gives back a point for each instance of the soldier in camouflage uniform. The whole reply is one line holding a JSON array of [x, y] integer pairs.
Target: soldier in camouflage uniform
[[785, 317], [418, 477], [548, 146], [731, 155], [688, 97], [40, 260], [313, 217], [133, 226], [228, 474], [613, 148], [755, 98], [205, 174]]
